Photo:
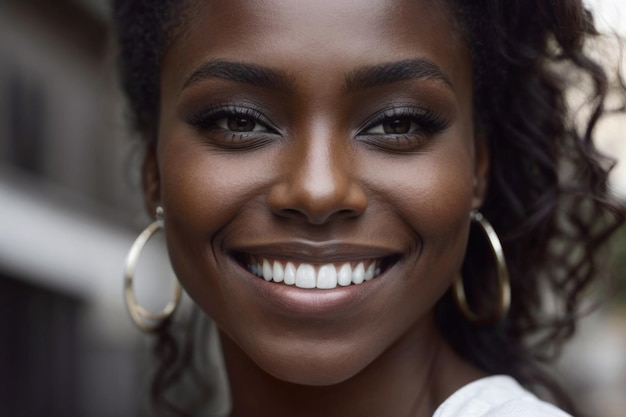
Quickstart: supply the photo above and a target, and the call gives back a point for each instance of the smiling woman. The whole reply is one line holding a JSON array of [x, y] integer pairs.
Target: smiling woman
[[317, 167]]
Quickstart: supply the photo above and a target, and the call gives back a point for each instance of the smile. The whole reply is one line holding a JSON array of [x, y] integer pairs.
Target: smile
[[315, 275]]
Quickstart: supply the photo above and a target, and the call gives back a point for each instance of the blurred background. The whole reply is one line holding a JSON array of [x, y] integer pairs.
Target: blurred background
[[70, 208]]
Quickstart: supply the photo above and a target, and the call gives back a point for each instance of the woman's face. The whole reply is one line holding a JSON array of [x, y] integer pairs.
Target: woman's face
[[326, 143]]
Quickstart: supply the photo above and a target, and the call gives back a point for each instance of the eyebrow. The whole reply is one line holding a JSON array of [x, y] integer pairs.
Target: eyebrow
[[243, 73], [392, 72], [360, 79]]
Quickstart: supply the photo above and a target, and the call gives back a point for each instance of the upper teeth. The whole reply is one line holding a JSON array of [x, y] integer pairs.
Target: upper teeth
[[305, 275]]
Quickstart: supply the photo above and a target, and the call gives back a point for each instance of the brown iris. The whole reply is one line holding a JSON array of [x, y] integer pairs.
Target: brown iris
[[241, 124], [398, 126]]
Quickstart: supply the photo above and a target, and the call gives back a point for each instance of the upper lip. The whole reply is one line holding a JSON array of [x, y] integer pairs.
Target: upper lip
[[316, 251]]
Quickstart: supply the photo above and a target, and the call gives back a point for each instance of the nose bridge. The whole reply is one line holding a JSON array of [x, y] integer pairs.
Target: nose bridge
[[321, 180], [321, 174]]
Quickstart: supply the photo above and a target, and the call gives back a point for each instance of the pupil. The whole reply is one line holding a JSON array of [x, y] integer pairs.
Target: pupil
[[398, 126], [241, 124]]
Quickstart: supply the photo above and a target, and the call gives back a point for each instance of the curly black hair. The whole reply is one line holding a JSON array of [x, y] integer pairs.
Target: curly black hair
[[547, 194]]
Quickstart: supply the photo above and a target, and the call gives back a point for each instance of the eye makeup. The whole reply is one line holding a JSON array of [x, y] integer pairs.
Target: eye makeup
[[233, 126], [399, 128], [405, 128]]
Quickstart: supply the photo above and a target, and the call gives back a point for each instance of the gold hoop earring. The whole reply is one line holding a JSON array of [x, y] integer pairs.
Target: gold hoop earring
[[140, 315], [504, 302]]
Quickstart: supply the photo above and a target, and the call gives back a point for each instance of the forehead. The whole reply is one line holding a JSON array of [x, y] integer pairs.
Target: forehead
[[315, 38]]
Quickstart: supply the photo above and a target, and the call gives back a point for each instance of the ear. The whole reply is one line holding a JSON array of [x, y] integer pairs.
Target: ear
[[151, 179], [481, 170]]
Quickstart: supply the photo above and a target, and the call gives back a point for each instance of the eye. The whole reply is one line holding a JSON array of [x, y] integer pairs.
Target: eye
[[402, 129], [241, 124], [230, 118], [397, 126], [233, 127]]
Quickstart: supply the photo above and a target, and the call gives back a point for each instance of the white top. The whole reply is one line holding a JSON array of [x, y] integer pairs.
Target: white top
[[496, 396]]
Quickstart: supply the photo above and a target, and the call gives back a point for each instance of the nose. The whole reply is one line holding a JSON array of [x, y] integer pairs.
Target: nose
[[318, 185]]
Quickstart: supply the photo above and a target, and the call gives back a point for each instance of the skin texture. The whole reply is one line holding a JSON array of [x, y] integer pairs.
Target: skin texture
[[314, 183]]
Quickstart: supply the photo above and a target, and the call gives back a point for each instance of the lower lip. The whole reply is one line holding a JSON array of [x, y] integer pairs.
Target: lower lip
[[314, 303]]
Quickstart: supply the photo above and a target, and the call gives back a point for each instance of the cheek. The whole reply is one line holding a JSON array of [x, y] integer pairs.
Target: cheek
[[205, 189], [442, 200], [201, 194], [432, 194]]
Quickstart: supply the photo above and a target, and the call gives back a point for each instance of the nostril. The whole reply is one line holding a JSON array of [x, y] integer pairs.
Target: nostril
[[307, 216], [347, 213], [317, 218], [291, 213], [317, 198]]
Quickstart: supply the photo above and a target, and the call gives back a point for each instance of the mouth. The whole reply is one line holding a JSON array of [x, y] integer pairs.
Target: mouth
[[309, 275]]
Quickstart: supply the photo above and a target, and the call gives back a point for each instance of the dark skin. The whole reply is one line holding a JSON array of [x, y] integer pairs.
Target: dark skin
[[321, 132]]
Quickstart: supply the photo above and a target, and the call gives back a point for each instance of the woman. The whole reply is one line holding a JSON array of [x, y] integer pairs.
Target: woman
[[316, 167]]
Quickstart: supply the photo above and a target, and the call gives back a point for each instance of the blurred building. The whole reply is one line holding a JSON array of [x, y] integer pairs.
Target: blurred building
[[68, 198]]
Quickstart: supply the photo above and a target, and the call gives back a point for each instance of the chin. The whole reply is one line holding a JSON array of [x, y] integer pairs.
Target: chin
[[323, 369], [294, 359]]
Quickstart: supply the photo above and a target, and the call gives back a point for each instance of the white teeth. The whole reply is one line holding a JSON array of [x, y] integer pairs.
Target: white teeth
[[344, 277], [358, 275], [305, 276], [278, 273], [267, 270], [327, 277], [290, 274]]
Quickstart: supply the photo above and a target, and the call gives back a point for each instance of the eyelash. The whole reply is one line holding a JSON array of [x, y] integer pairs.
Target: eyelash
[[427, 124], [205, 121]]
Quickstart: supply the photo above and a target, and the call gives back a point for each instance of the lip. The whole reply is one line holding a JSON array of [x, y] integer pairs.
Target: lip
[[295, 302], [314, 252]]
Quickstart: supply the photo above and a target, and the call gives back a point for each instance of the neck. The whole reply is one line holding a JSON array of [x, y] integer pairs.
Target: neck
[[410, 379]]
